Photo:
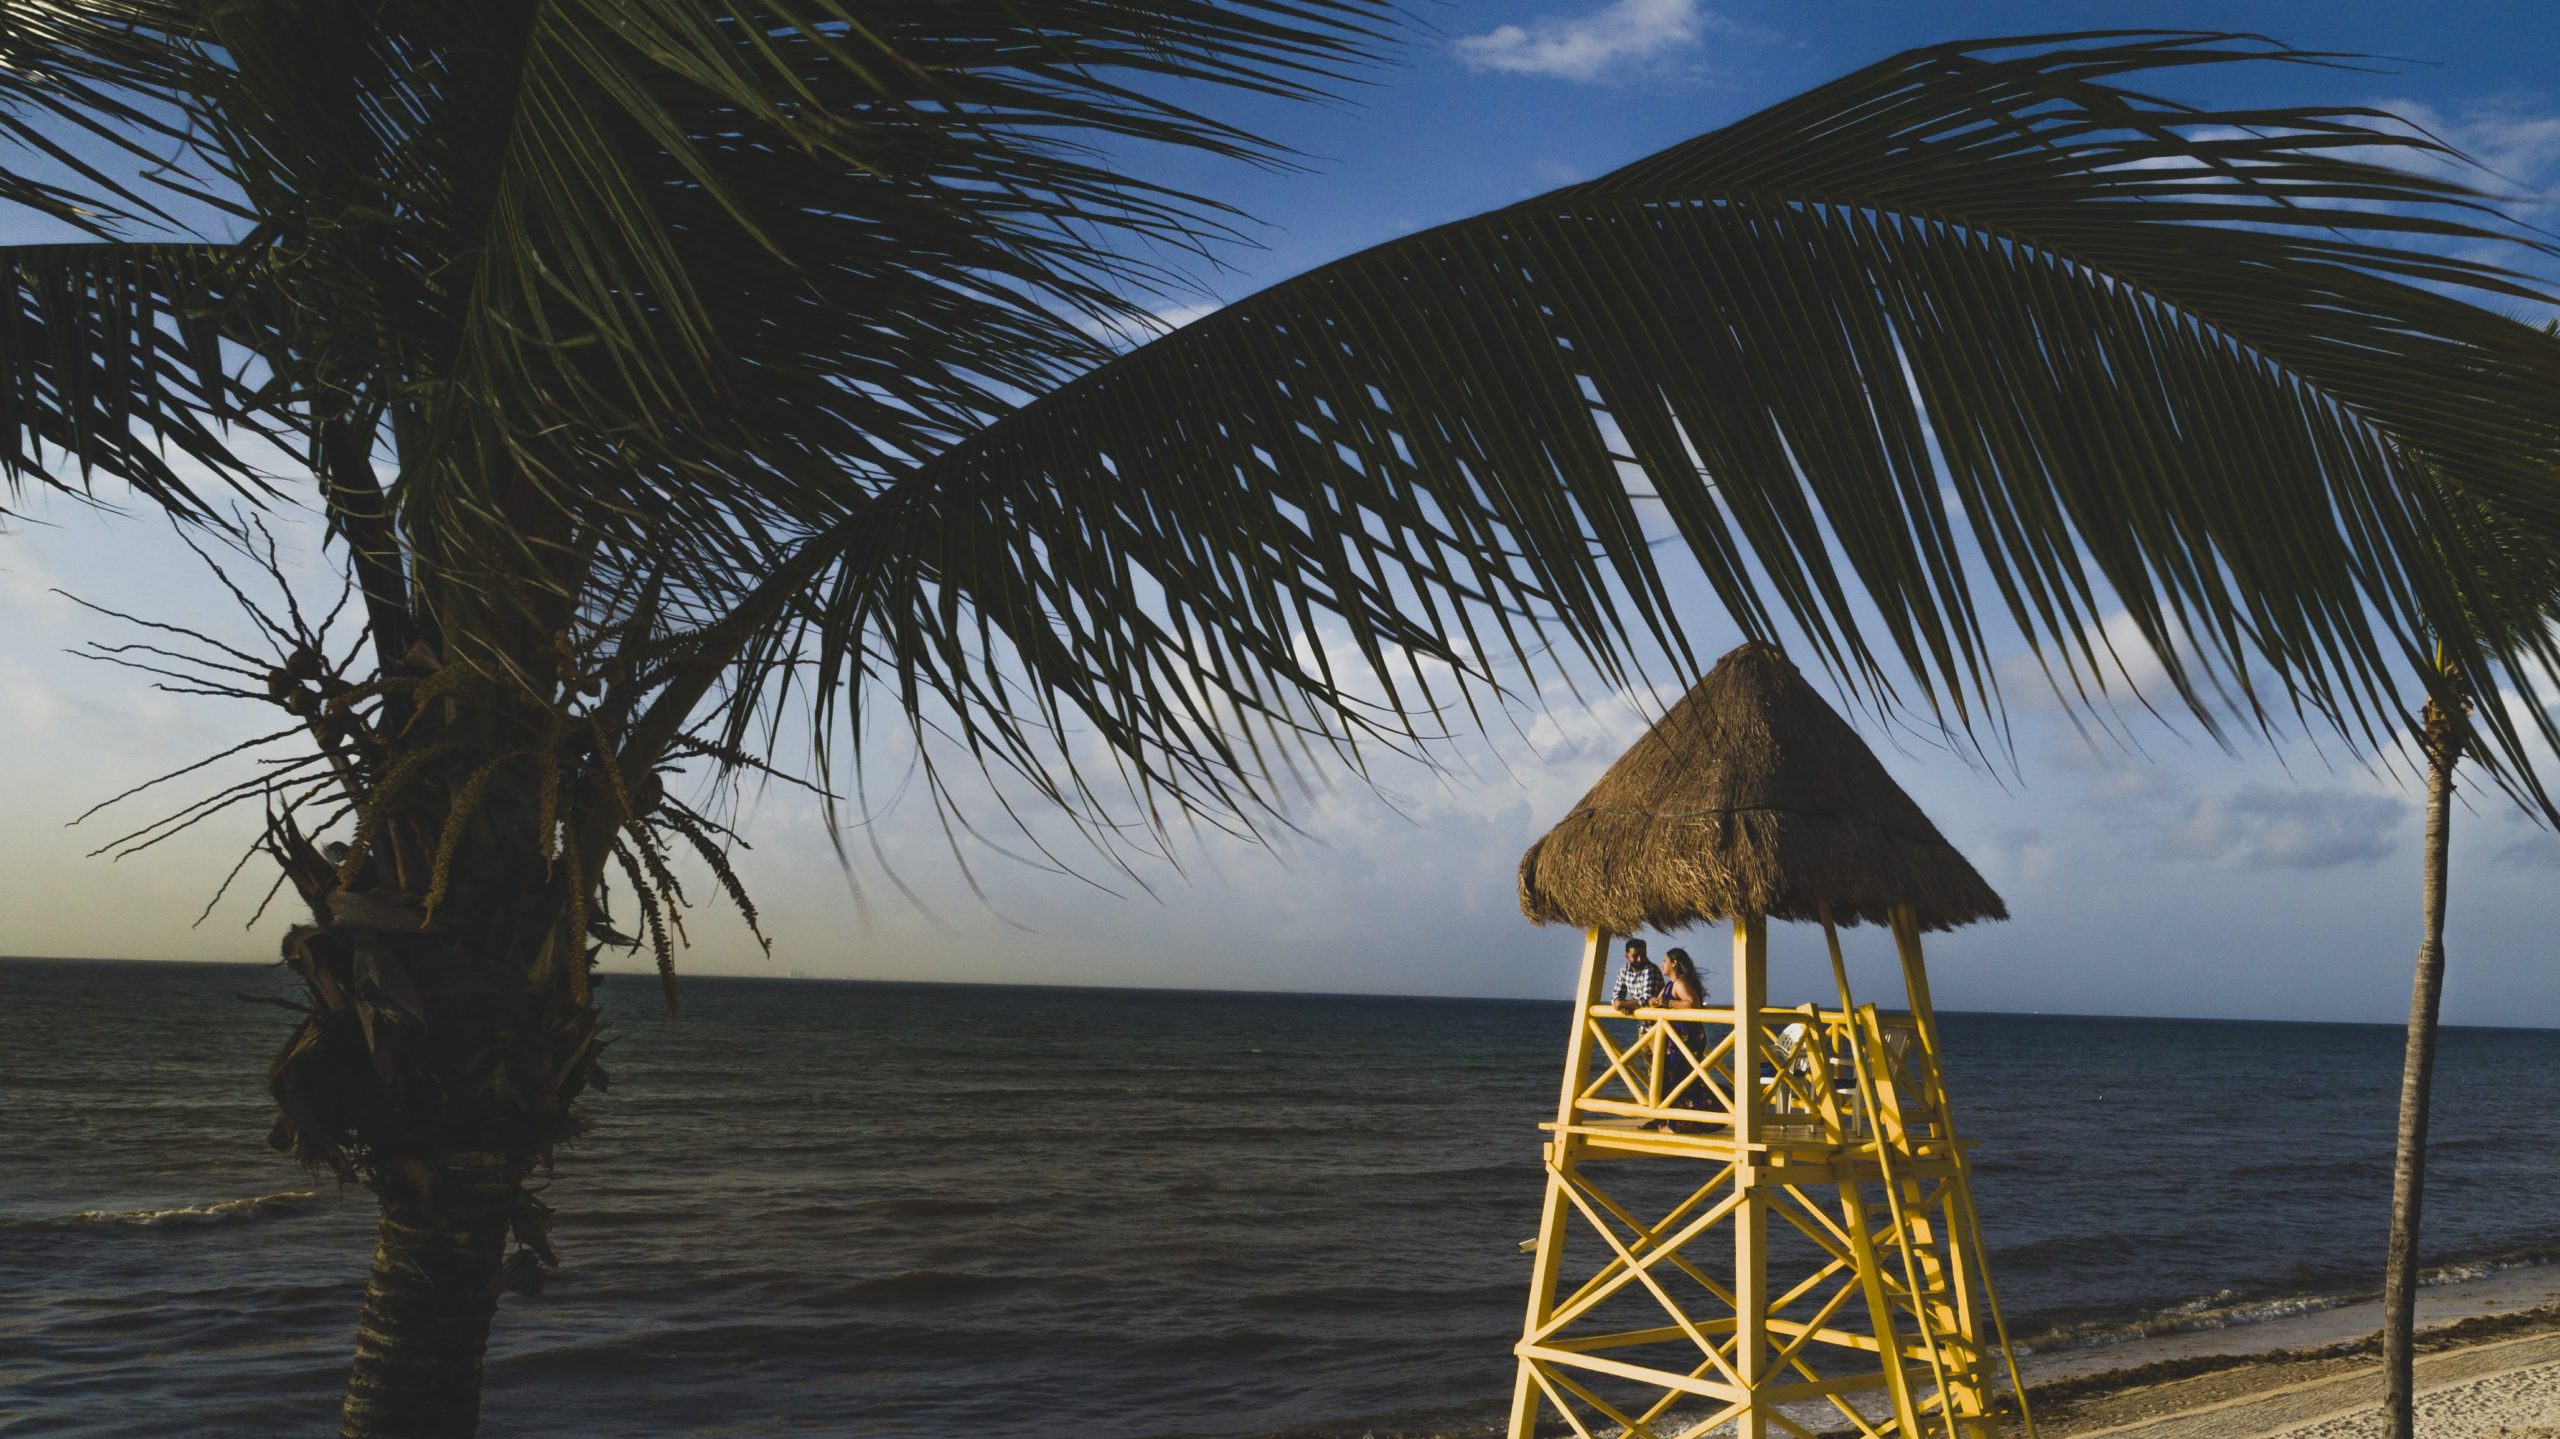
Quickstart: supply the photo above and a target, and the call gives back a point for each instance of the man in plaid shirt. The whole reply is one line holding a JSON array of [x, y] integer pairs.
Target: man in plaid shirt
[[1639, 983]]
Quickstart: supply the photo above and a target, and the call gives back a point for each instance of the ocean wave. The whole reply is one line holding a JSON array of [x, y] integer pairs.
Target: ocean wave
[[2353, 1166], [2228, 1309], [1377, 1299], [2225, 1310], [179, 1216], [2500, 1142], [924, 1206], [1219, 1346], [705, 1347], [929, 1286], [2466, 1271]]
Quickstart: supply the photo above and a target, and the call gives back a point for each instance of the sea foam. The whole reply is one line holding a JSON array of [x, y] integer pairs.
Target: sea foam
[[223, 1211]]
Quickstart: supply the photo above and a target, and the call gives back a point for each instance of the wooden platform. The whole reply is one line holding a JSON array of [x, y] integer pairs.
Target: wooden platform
[[1795, 1146]]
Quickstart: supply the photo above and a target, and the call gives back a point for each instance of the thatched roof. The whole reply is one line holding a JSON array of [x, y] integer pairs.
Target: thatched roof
[[1751, 796]]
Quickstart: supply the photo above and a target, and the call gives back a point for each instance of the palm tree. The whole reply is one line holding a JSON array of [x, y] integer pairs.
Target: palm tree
[[665, 369], [2440, 739], [2442, 735]]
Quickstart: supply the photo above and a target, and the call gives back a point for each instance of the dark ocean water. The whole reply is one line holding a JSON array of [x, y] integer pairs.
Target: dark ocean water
[[817, 1208]]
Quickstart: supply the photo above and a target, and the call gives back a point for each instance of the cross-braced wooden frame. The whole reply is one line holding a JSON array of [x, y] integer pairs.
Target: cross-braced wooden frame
[[1872, 1308]]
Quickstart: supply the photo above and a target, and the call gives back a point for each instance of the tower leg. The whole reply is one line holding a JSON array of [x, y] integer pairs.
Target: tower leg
[[1552, 1218], [1880, 1314], [1751, 1216], [1557, 1212], [1948, 1252]]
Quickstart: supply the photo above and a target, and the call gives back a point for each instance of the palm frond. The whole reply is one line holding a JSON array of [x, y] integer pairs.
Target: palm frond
[[637, 296], [615, 285], [1977, 329], [115, 72], [673, 279], [113, 361]]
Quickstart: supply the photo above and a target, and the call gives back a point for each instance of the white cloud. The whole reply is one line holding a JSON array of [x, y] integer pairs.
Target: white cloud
[[2128, 672], [28, 703], [1131, 333], [1612, 42], [2516, 144], [27, 596], [2264, 827], [2018, 853], [2539, 851], [1555, 172], [2256, 826]]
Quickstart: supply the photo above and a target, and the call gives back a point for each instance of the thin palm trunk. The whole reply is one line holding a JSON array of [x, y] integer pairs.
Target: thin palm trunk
[[2442, 740]]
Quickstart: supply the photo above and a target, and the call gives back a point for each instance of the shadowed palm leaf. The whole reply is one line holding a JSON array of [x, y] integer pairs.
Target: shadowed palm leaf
[[1974, 316], [1951, 322]]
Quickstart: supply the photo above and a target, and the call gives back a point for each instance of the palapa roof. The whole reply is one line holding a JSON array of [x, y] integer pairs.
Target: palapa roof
[[1752, 795]]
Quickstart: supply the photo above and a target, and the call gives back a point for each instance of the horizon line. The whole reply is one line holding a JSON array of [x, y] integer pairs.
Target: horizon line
[[1283, 993]]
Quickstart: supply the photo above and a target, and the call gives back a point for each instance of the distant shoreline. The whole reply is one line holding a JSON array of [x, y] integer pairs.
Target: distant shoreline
[[643, 973]]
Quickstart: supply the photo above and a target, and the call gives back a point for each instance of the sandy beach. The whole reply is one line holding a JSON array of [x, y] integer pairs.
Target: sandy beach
[[2488, 1365]]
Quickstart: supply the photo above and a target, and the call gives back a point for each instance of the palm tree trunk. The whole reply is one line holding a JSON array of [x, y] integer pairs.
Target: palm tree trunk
[[2442, 740], [441, 1062], [434, 1289]]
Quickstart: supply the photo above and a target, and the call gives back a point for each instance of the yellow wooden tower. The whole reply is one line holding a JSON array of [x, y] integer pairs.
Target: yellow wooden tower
[[1756, 1215]]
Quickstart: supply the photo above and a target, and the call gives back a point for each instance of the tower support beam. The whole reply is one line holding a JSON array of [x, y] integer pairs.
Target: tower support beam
[[1750, 990], [1556, 1213]]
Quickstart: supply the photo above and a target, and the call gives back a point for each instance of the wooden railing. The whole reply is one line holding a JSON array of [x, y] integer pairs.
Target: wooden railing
[[1822, 1074]]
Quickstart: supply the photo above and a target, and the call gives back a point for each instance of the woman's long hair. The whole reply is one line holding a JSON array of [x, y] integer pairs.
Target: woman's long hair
[[1676, 964]]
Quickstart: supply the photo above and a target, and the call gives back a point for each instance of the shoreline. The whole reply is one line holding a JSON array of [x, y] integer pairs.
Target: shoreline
[[2494, 1373], [2488, 1360], [2209, 1380], [2501, 1294]]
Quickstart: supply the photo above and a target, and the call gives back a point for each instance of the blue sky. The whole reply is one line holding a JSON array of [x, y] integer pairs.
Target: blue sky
[[2159, 875]]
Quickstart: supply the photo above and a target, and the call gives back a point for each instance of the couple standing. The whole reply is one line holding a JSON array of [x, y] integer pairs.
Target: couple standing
[[1672, 985]]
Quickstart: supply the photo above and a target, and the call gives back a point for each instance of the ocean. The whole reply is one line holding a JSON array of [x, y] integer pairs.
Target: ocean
[[891, 1209]]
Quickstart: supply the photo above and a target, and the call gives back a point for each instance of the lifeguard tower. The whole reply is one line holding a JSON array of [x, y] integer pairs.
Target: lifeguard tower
[[1755, 1216]]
